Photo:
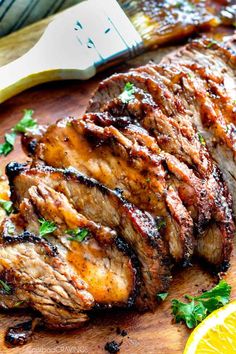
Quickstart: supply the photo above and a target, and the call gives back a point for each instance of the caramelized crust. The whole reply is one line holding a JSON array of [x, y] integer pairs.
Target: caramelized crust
[[105, 207]]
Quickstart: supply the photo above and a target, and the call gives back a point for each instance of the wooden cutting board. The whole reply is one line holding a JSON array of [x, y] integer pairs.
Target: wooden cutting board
[[149, 333]]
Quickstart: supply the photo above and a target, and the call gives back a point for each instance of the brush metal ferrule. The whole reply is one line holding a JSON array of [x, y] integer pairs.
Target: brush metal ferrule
[[107, 32]]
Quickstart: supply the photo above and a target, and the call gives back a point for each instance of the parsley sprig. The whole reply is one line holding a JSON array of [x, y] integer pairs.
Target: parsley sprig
[[27, 123], [5, 287], [128, 93], [6, 205], [211, 43], [77, 235], [162, 296], [199, 307], [46, 227], [8, 144], [160, 223], [201, 139]]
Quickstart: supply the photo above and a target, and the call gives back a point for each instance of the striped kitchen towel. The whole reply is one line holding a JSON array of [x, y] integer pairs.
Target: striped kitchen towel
[[15, 14]]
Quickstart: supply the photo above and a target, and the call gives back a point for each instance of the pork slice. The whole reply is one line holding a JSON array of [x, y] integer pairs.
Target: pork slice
[[176, 135], [38, 277], [120, 160], [104, 206], [102, 252], [156, 109], [208, 88]]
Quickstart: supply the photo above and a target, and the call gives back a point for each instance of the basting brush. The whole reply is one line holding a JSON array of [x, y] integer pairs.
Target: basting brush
[[94, 34]]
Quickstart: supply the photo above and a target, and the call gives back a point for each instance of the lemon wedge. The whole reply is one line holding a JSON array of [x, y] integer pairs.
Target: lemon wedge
[[216, 334]]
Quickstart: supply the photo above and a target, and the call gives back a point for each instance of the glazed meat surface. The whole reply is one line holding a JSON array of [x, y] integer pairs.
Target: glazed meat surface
[[39, 277], [107, 208], [68, 276], [208, 89], [159, 106], [120, 159]]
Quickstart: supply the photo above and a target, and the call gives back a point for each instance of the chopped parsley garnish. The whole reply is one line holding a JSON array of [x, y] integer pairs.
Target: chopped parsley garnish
[[160, 222], [77, 235], [8, 145], [26, 123], [213, 41], [199, 307], [46, 227], [128, 94], [18, 304], [201, 139], [5, 287], [10, 229], [6, 205], [162, 296]]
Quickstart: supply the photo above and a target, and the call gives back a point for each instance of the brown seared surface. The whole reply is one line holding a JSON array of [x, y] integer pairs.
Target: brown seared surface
[[58, 277], [103, 206], [207, 86], [40, 278], [121, 159], [159, 106], [99, 260]]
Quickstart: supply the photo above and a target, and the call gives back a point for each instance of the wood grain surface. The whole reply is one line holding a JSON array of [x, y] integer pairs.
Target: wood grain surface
[[149, 333]]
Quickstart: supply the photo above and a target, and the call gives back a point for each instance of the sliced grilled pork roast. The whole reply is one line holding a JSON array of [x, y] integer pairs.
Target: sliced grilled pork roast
[[206, 84], [102, 253], [120, 159], [107, 208], [131, 160], [197, 82], [139, 165], [156, 107]]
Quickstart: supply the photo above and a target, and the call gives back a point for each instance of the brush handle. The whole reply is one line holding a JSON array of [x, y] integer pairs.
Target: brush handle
[[33, 69]]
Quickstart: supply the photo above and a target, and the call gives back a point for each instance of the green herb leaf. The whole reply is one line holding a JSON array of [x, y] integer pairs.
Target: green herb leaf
[[160, 222], [162, 296], [8, 145], [6, 287], [77, 235], [201, 139], [46, 227], [221, 293], [26, 123], [200, 307], [6, 205], [128, 94], [10, 229], [213, 41], [18, 304]]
